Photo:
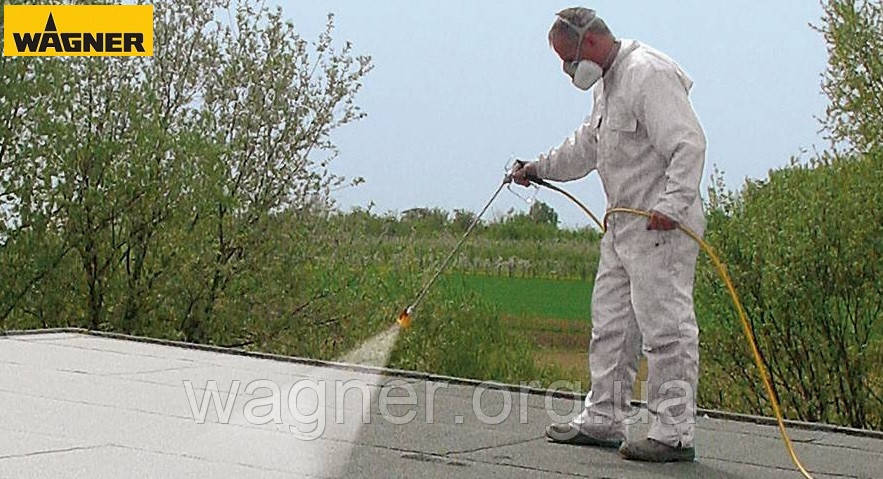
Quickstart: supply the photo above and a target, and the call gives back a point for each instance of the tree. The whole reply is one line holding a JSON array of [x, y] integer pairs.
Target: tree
[[853, 81], [803, 249], [268, 107], [28, 255], [141, 189], [542, 213]]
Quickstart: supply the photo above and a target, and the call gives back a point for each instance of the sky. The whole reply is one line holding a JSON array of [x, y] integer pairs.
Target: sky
[[461, 87]]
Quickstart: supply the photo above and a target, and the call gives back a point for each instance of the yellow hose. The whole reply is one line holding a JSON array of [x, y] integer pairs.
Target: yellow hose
[[746, 326], [405, 317], [722, 271]]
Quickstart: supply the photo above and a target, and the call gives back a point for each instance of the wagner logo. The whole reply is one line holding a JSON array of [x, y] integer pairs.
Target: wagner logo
[[78, 30]]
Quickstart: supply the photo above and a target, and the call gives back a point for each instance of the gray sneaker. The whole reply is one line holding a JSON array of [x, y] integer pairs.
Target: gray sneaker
[[568, 433], [650, 450]]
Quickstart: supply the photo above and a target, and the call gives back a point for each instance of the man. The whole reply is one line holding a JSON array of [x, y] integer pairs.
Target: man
[[644, 139]]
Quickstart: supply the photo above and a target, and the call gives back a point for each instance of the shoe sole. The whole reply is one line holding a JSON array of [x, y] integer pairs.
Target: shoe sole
[[657, 460], [580, 440]]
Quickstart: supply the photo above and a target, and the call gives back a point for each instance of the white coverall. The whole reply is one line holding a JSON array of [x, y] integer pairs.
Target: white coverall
[[644, 139]]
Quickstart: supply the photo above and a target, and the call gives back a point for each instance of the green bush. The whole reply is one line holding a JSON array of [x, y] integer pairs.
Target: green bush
[[804, 250]]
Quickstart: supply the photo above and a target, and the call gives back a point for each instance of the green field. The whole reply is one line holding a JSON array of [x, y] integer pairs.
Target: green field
[[530, 297], [549, 317]]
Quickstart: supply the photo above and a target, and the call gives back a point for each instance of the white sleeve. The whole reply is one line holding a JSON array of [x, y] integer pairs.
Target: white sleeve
[[675, 132], [573, 159]]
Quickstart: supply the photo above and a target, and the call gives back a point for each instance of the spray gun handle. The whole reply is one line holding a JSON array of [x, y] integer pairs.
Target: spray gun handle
[[518, 164], [511, 168]]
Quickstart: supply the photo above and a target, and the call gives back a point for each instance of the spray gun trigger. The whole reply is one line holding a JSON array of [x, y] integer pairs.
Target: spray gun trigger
[[513, 165], [529, 200]]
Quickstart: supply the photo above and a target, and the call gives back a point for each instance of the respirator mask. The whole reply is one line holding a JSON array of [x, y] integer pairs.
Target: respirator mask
[[583, 73]]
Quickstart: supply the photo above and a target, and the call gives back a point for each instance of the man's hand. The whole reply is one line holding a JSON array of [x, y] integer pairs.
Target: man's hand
[[525, 174], [659, 221]]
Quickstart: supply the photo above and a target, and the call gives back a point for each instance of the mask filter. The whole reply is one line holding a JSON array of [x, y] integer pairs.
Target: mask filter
[[584, 73]]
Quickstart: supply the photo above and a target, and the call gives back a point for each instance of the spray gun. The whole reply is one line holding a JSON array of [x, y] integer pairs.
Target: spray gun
[[511, 168], [536, 182]]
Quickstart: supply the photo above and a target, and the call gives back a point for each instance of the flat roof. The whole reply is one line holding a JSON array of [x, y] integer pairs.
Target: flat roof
[[81, 405]]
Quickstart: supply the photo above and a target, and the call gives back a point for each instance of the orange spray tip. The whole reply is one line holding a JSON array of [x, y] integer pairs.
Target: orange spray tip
[[404, 319]]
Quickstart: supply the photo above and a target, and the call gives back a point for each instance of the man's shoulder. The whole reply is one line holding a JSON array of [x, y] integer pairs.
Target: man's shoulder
[[646, 59], [645, 62]]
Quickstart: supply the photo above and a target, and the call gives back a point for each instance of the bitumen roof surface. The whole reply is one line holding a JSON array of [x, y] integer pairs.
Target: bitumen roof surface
[[81, 405]]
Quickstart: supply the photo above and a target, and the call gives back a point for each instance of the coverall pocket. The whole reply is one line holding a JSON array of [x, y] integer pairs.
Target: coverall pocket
[[617, 133], [623, 123], [662, 247]]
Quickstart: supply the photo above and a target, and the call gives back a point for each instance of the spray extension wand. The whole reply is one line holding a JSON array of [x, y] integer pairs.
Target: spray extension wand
[[404, 319]]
